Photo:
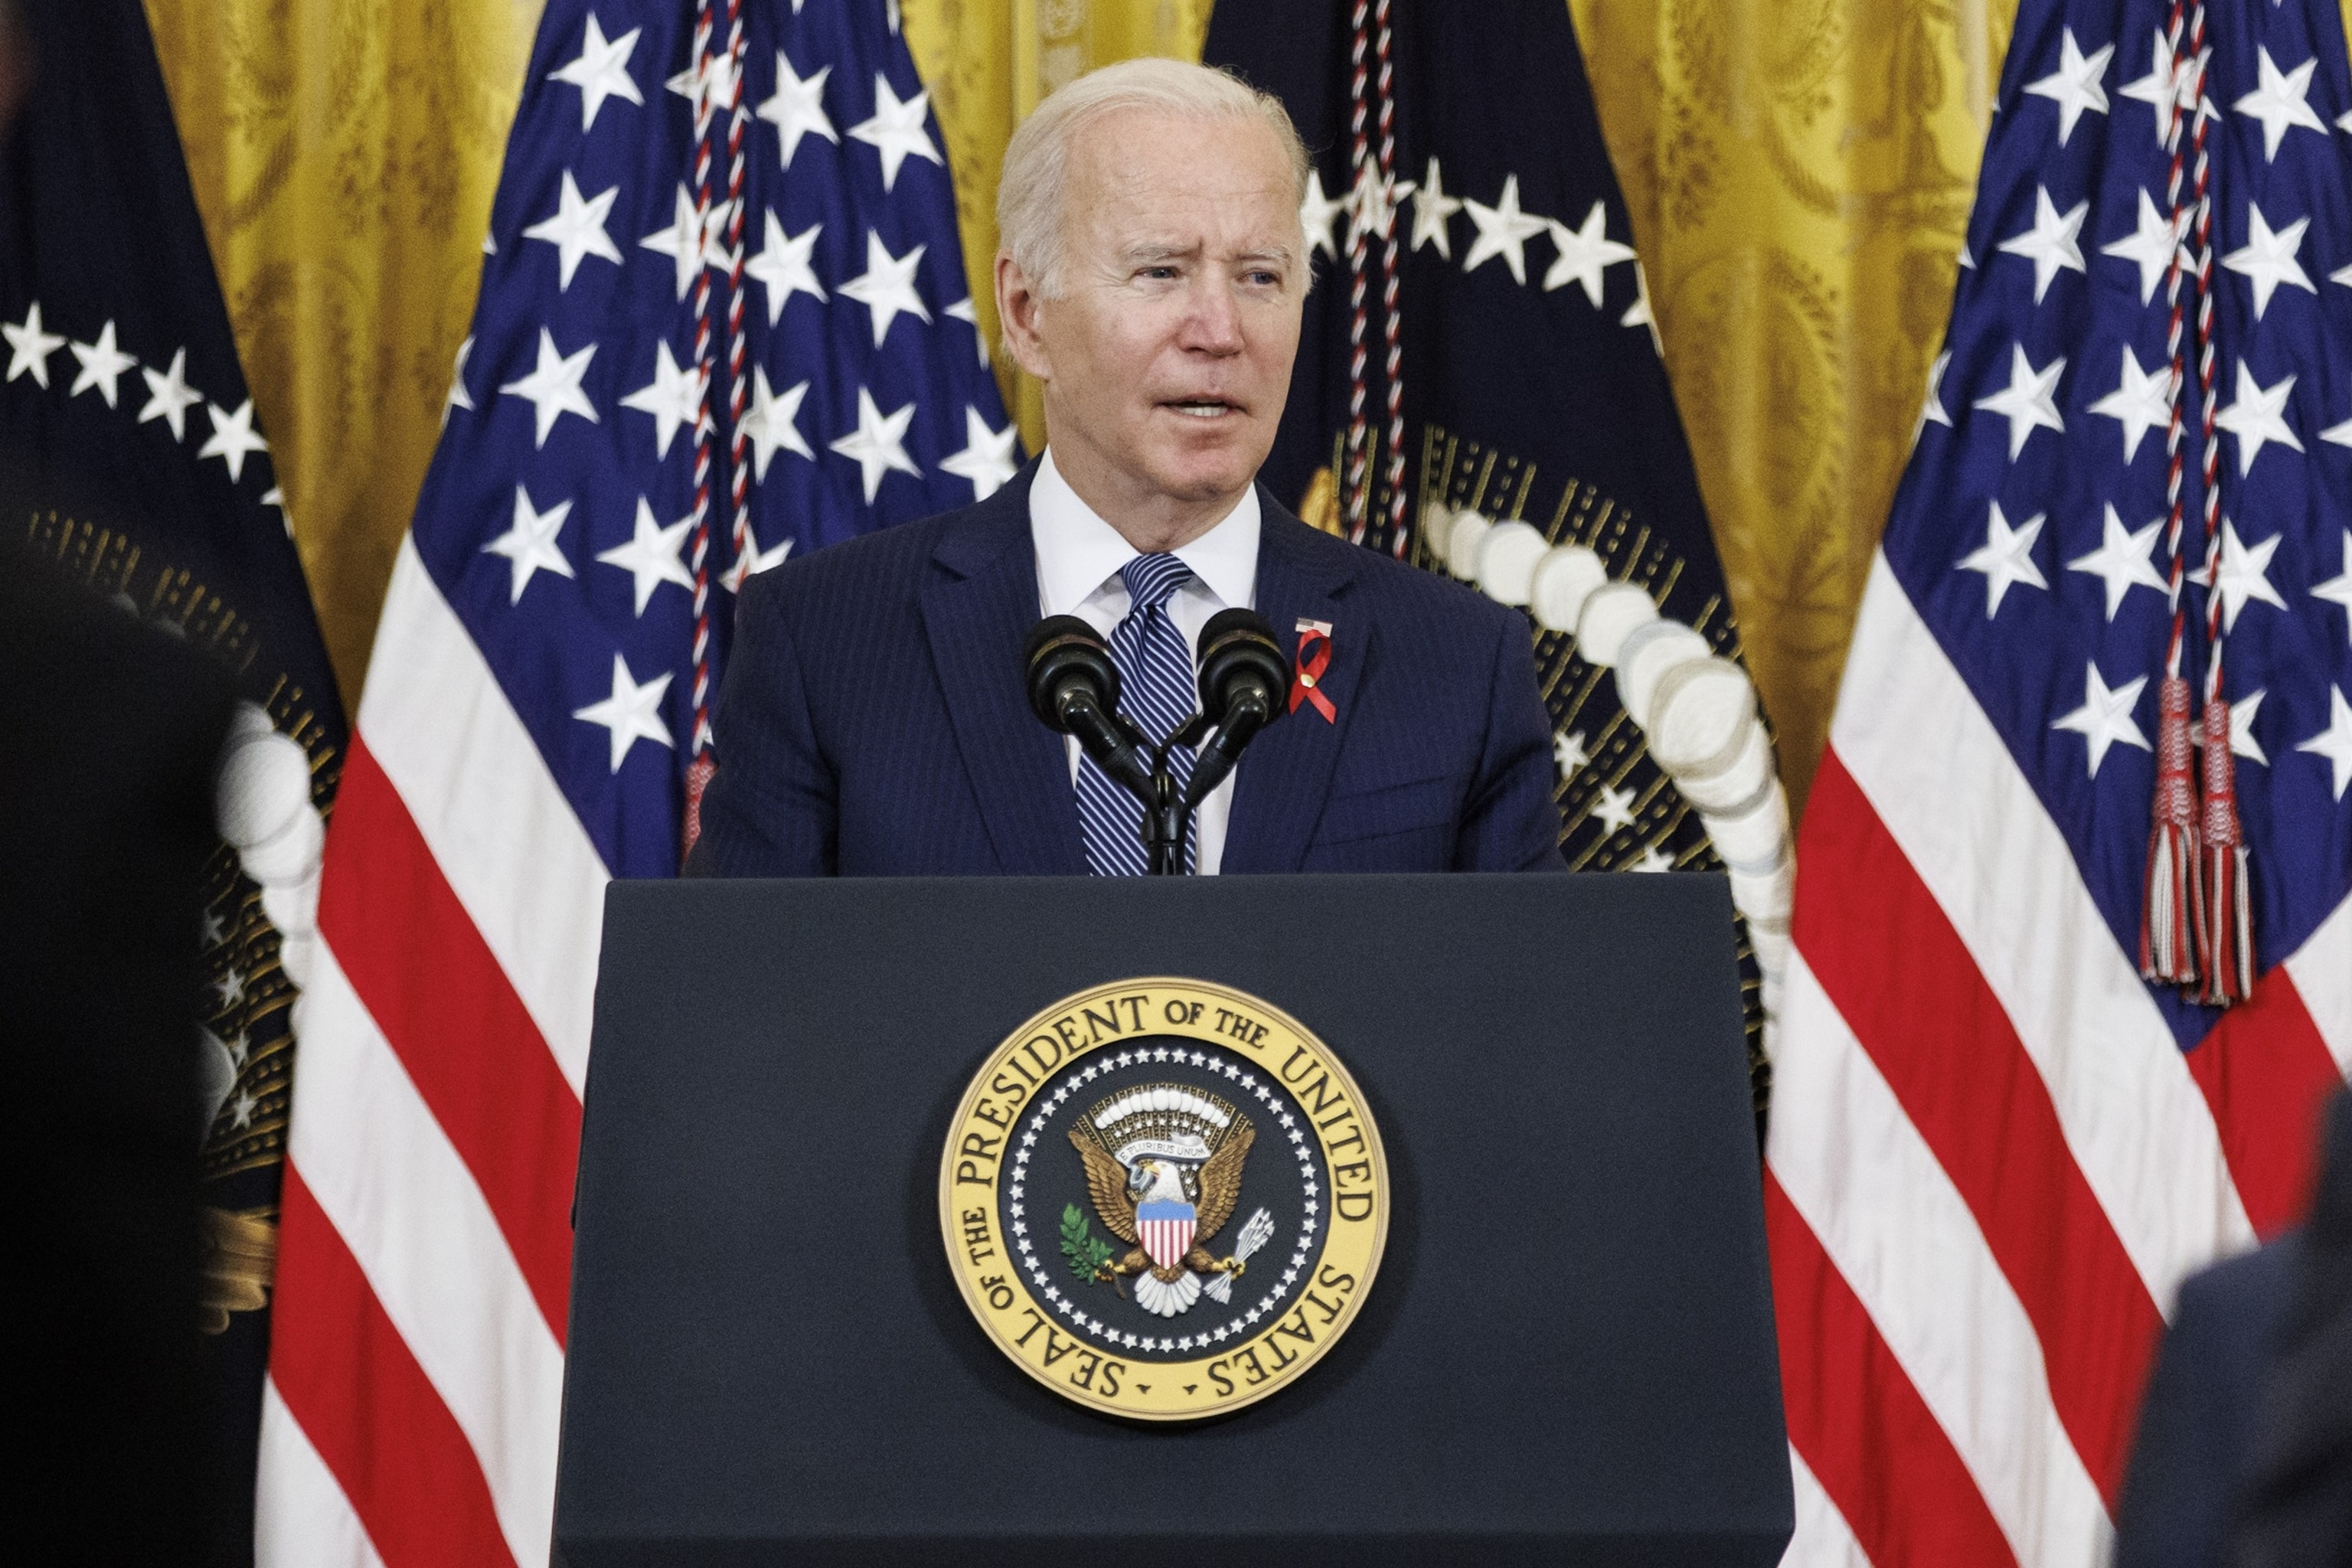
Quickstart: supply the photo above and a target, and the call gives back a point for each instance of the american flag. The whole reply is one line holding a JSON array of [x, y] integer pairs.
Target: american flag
[[1996, 1147], [723, 317]]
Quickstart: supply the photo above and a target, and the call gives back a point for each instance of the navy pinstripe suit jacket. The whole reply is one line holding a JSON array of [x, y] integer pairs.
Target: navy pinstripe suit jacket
[[873, 722]]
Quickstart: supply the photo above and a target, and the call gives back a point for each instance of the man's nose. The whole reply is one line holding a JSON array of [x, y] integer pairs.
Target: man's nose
[[1213, 325]]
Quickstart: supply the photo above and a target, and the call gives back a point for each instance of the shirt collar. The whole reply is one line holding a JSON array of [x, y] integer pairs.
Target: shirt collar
[[1077, 550]]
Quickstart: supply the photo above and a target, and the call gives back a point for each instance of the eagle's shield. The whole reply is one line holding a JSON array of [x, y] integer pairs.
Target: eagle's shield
[[1166, 1230]]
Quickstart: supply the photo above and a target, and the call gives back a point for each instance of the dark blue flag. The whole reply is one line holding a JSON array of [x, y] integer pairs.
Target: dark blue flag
[[135, 462], [1479, 389]]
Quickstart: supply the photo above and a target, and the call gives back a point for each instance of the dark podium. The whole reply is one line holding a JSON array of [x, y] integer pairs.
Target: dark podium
[[1566, 1355]]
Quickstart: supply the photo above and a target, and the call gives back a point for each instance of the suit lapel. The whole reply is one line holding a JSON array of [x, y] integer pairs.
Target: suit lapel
[[1279, 788], [978, 606]]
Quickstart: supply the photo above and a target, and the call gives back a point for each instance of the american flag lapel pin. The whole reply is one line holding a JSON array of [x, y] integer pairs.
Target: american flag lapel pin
[[1314, 657]]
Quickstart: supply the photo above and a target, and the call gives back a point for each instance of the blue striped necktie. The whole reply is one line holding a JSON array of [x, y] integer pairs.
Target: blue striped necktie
[[1155, 693]]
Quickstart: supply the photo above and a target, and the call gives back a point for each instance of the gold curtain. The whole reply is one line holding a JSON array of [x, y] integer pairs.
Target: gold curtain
[[344, 153], [987, 63], [1800, 173]]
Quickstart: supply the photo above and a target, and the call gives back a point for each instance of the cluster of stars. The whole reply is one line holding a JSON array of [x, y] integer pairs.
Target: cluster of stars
[[1613, 805], [676, 397], [235, 1053], [1580, 255], [2142, 398], [100, 365]]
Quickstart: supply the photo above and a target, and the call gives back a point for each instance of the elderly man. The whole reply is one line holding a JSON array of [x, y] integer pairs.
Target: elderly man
[[874, 719]]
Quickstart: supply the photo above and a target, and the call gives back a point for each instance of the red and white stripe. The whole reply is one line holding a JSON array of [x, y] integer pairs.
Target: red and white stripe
[[1990, 1165], [424, 1259]]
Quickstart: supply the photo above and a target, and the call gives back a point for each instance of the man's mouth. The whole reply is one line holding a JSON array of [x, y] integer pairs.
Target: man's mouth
[[1202, 407]]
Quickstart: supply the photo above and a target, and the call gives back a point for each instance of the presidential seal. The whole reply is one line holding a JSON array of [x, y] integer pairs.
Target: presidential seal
[[1164, 1199]]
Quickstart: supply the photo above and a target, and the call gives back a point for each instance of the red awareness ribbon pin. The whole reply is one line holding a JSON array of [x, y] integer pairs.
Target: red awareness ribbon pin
[[1313, 658]]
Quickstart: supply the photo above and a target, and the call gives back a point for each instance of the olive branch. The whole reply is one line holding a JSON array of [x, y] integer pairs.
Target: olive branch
[[1089, 1255]]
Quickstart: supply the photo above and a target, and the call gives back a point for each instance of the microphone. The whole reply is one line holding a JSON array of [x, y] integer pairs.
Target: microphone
[[1244, 675], [1074, 688]]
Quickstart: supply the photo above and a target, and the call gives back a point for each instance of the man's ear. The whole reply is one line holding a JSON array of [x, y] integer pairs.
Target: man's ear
[[1017, 304]]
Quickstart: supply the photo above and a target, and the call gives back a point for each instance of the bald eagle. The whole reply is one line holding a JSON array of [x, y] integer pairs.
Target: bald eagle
[[1213, 1188]]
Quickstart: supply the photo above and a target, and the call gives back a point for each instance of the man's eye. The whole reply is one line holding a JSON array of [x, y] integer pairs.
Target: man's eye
[[1156, 273]]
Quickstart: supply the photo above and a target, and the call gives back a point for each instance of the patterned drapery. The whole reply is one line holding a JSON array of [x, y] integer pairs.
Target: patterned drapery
[[1800, 173], [343, 154]]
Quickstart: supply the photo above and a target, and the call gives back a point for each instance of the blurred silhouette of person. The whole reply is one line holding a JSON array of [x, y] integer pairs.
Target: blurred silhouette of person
[[2243, 1458], [110, 737], [2298, 1503]]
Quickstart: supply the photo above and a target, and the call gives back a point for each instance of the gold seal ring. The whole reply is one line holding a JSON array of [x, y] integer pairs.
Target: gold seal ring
[[1164, 1199]]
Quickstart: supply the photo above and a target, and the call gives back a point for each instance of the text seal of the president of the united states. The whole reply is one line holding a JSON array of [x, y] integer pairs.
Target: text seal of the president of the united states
[[1164, 1198]]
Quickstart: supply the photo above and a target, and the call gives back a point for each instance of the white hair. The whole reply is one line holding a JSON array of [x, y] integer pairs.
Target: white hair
[[1032, 193]]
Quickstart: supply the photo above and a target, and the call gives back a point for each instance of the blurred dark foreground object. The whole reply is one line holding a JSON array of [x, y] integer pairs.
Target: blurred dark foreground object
[[109, 733], [2298, 1511], [2244, 1452]]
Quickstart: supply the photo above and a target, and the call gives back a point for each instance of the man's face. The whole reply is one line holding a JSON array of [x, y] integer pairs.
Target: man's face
[[1167, 355]]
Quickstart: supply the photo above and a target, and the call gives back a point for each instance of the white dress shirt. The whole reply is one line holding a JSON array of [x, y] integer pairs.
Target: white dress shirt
[[1078, 561]]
